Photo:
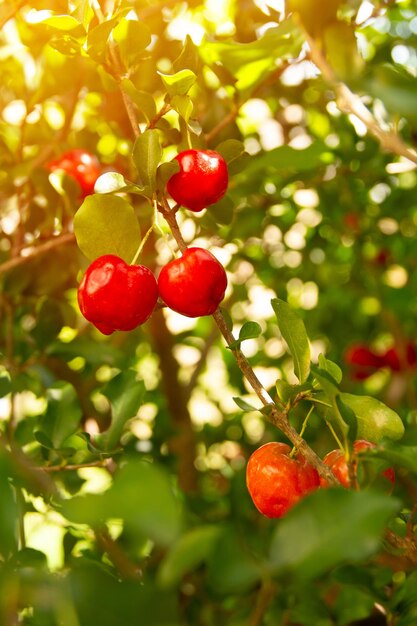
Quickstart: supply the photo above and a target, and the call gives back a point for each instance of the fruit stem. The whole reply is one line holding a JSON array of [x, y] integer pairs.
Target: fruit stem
[[170, 217], [142, 244], [343, 448], [303, 427]]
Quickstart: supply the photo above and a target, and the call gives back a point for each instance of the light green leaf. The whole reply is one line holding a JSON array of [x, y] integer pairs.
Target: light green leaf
[[147, 154], [180, 83], [328, 528], [132, 37], [332, 368], [183, 105], [111, 182], [231, 149], [143, 100], [245, 406], [293, 331], [107, 224], [332, 392], [192, 549], [376, 421]]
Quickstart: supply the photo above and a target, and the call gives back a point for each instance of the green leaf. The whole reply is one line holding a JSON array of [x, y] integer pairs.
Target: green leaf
[[64, 23], [286, 158], [8, 511], [249, 330], [165, 171], [293, 331], [107, 224], [188, 58], [180, 83], [400, 456], [232, 568], [5, 385], [99, 35], [231, 149], [63, 413], [141, 495], [375, 420], [132, 37], [192, 549], [245, 406], [110, 182], [125, 394], [328, 528], [143, 100], [332, 368], [222, 212], [147, 154], [332, 392], [183, 105]]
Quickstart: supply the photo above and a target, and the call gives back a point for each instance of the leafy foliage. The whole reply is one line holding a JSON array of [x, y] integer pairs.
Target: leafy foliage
[[122, 458]]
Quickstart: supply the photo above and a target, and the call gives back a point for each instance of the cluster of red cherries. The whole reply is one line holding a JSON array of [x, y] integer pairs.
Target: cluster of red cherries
[[364, 361], [114, 295], [277, 479]]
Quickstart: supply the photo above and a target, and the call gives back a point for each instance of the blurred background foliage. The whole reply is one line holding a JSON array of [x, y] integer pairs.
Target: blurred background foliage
[[158, 527]]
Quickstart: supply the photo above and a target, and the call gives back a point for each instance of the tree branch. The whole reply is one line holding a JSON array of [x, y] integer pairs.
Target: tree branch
[[49, 245], [350, 103]]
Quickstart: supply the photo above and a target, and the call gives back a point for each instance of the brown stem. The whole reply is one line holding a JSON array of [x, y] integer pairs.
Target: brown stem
[[63, 468], [405, 544], [265, 595], [119, 558], [49, 245], [161, 113], [350, 103]]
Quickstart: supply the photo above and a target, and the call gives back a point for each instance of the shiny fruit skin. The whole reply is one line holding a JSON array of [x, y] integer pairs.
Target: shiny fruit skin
[[81, 165], [277, 481], [113, 295], [336, 460], [201, 181], [194, 284]]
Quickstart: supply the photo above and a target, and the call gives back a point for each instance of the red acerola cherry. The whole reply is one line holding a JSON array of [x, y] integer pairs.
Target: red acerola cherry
[[396, 361], [277, 481], [336, 460], [201, 181], [193, 284], [116, 296], [363, 360], [81, 165]]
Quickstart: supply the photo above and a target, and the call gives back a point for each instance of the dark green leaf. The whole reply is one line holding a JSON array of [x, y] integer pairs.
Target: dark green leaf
[[330, 527], [293, 331], [107, 224], [192, 549], [332, 368], [132, 498], [63, 413], [245, 406], [125, 394]]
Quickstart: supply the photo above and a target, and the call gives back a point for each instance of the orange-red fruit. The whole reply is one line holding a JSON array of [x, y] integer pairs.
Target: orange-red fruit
[[277, 481], [201, 181], [116, 296], [81, 165], [194, 284], [336, 460]]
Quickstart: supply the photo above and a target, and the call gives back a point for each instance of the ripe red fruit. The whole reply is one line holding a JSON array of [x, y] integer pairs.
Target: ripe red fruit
[[116, 296], [201, 181], [363, 360], [396, 361], [81, 165], [277, 481], [193, 284], [336, 460]]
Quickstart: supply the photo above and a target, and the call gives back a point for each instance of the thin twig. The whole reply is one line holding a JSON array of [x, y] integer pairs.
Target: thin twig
[[36, 251], [63, 468], [350, 103], [119, 558]]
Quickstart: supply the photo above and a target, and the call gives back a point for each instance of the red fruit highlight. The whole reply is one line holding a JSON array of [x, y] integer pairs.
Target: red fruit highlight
[[116, 296], [276, 481], [194, 284], [81, 165], [201, 181]]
